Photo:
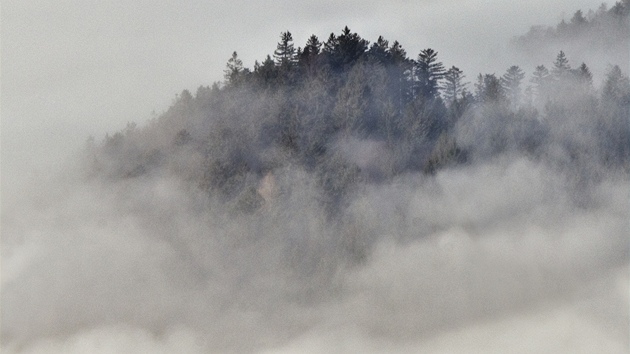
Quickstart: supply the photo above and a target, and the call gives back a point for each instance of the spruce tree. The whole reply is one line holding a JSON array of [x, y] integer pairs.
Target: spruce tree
[[584, 75], [379, 51], [285, 51], [234, 69], [561, 66], [428, 73], [511, 84], [453, 85], [541, 79], [309, 57]]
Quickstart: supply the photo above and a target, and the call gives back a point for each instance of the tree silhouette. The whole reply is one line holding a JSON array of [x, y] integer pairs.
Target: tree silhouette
[[428, 73]]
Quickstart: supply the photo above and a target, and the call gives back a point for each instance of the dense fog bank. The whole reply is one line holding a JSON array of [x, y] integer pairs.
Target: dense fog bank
[[338, 197], [413, 259]]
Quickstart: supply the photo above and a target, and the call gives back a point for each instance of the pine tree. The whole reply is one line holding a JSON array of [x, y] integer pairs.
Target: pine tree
[[511, 84], [488, 89], [312, 47], [234, 69], [400, 71], [285, 51], [345, 50], [541, 79], [584, 75], [453, 85], [578, 19], [309, 57], [379, 51], [616, 87], [266, 73], [428, 73], [353, 100], [613, 127], [561, 66]]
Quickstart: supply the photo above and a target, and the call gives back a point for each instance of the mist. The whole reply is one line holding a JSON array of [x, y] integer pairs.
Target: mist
[[143, 266], [198, 231]]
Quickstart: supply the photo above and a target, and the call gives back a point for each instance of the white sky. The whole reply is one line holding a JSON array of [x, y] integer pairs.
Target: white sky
[[74, 68]]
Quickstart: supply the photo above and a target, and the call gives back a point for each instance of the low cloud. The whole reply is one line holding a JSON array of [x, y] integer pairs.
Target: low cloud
[[436, 263]]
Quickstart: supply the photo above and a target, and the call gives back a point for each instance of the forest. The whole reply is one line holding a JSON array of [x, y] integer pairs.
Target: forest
[[341, 195], [351, 113]]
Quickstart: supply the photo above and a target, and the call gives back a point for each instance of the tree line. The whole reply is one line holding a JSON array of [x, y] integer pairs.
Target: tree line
[[301, 106]]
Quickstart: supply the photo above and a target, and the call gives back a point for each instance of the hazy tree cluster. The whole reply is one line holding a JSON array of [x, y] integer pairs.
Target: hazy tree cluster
[[350, 112], [601, 29]]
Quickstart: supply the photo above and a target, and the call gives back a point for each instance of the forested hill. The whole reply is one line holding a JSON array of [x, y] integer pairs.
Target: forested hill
[[600, 36], [604, 28], [349, 112]]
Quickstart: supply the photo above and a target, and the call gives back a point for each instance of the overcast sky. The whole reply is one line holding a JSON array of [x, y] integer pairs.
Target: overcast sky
[[74, 68]]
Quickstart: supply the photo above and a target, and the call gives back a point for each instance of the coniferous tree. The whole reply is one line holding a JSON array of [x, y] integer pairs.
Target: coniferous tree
[[457, 98], [286, 58], [621, 9], [562, 29], [353, 101], [311, 49], [511, 84], [578, 19], [400, 72], [616, 87], [398, 54], [340, 88], [541, 80], [379, 51], [584, 75], [313, 46], [285, 51], [488, 89], [561, 66], [582, 80], [614, 127], [453, 84], [266, 73], [345, 50], [234, 69], [309, 58], [428, 73]]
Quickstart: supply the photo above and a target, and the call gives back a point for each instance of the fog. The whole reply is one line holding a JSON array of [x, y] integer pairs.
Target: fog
[[505, 254], [457, 267]]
